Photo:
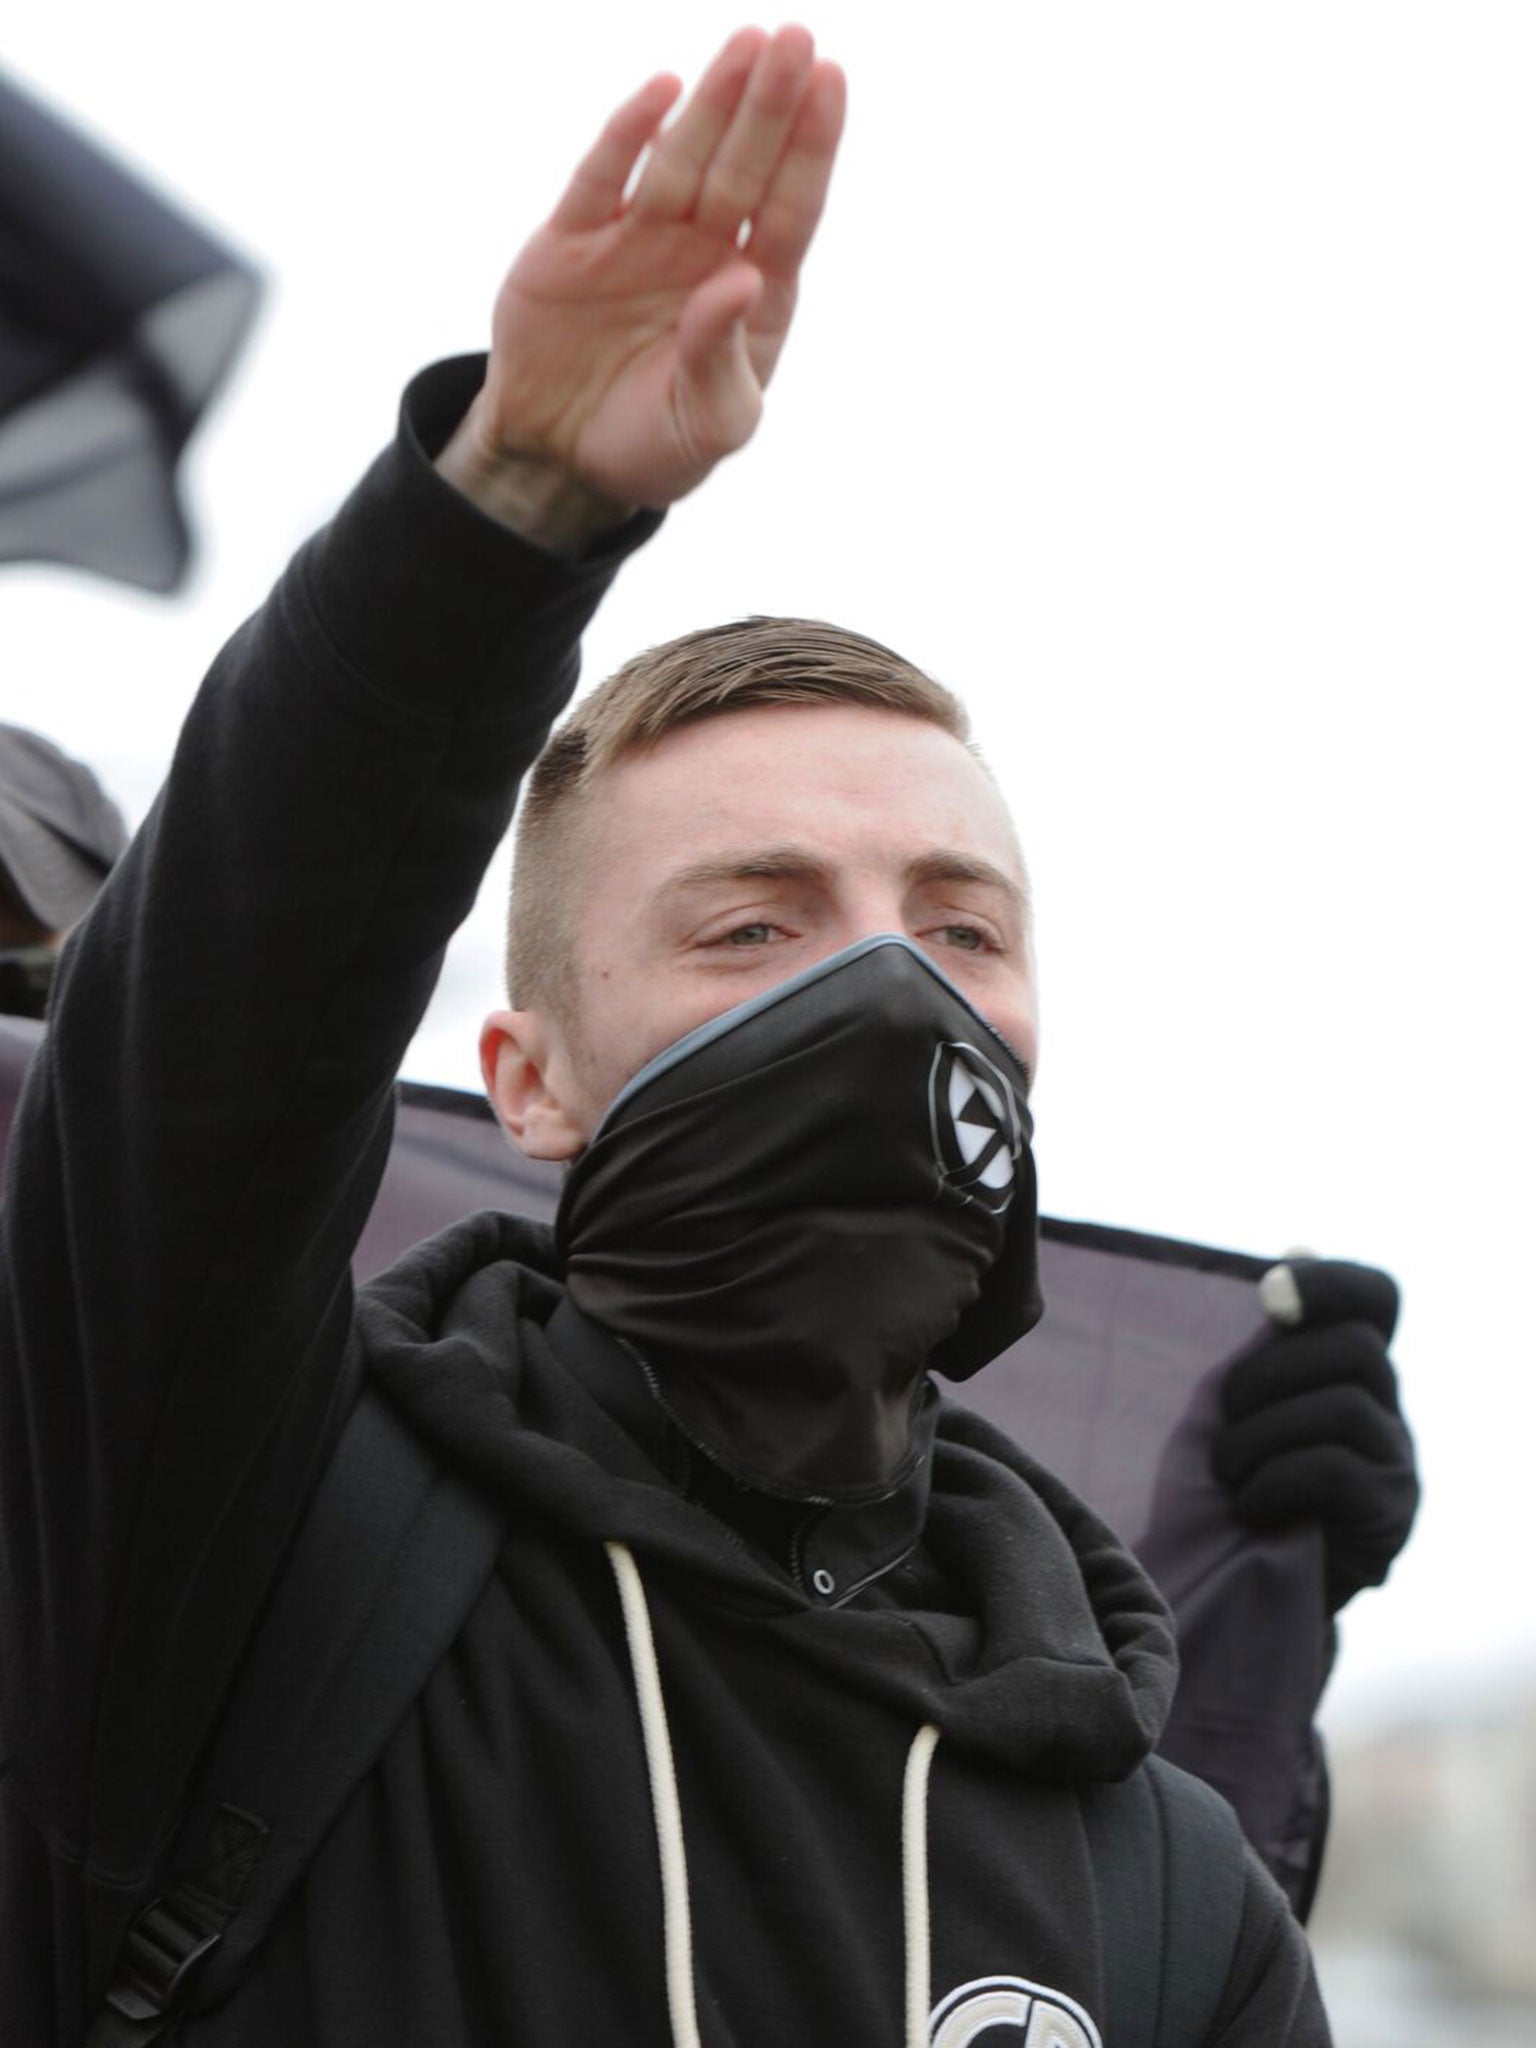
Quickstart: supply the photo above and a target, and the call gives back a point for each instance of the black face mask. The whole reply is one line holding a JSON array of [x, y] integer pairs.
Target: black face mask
[[796, 1210]]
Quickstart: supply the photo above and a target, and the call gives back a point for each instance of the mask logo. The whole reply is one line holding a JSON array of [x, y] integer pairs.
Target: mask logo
[[975, 1120], [1010, 2013]]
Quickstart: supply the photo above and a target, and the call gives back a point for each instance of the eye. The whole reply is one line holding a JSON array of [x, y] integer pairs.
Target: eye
[[749, 935], [966, 938]]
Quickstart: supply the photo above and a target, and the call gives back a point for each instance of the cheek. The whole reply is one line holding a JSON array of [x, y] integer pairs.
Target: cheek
[[1024, 1037], [599, 1071], [1017, 1018], [595, 1052], [616, 1032], [1031, 1048]]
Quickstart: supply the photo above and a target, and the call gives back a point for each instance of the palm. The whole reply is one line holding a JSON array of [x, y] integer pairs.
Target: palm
[[634, 336]]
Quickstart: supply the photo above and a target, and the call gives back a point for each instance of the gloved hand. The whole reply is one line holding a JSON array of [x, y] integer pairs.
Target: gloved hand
[[1311, 1429]]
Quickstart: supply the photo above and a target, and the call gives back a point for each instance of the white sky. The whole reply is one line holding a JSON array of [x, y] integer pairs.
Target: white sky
[[1164, 382]]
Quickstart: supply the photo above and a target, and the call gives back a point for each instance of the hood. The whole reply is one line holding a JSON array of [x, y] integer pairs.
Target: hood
[[1052, 1651]]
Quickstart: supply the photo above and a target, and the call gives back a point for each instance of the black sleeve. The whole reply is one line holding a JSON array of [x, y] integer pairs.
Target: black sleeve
[[1271, 1998], [202, 1133]]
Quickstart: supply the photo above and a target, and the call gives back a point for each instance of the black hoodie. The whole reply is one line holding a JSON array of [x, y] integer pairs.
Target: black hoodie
[[194, 1159]]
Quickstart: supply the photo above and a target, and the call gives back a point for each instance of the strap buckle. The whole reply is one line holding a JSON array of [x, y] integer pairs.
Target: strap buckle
[[160, 1951]]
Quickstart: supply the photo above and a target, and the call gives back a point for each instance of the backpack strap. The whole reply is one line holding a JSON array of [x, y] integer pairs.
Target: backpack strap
[[392, 1555], [1125, 1846], [1169, 1868], [1206, 1884]]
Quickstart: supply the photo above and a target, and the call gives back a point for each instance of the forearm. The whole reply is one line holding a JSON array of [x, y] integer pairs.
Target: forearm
[[259, 962], [200, 1145]]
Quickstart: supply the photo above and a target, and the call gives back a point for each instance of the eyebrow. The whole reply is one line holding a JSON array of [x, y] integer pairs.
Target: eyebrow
[[946, 866], [770, 864], [793, 864]]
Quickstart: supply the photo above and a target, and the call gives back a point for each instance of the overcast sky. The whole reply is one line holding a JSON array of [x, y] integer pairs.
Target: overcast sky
[[1163, 382]]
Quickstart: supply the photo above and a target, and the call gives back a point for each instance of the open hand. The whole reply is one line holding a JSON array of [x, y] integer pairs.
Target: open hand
[[634, 335]]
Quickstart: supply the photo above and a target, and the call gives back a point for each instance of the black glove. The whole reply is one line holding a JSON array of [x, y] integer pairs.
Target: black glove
[[1311, 1430]]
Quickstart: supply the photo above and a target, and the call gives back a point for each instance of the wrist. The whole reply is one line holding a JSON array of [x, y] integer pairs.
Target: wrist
[[539, 499]]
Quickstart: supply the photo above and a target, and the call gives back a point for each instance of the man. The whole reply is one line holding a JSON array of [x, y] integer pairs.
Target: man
[[783, 1711]]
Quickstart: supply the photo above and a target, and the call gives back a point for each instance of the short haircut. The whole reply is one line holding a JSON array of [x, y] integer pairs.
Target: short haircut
[[703, 675]]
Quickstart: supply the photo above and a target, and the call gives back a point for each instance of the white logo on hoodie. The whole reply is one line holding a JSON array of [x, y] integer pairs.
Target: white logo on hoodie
[[1009, 2012]]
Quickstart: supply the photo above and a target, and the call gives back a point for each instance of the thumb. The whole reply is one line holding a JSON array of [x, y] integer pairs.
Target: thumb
[[1308, 1290], [719, 396]]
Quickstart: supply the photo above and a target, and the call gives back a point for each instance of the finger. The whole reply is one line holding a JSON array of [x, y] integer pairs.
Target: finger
[[1297, 1361], [741, 169], [787, 219], [1332, 1486], [1330, 1291], [668, 187], [792, 206], [714, 320], [719, 397], [1342, 1418], [596, 190]]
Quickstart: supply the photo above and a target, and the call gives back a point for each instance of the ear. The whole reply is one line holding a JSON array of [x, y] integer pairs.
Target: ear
[[527, 1079]]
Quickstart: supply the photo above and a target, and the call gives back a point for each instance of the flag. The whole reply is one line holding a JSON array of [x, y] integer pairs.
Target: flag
[[118, 320]]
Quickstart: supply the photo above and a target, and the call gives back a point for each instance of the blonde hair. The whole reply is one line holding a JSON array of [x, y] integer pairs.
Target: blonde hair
[[702, 675]]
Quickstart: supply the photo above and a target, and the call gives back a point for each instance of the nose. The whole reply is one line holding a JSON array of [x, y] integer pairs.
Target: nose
[[870, 908]]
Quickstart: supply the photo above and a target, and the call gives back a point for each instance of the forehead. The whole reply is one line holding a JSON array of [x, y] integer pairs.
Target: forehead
[[852, 783]]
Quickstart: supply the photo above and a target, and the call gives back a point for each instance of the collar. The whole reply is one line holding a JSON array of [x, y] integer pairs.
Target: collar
[[831, 1552]]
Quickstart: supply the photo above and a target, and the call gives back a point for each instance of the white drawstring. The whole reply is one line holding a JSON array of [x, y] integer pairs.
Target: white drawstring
[[677, 1930], [676, 1927], [914, 1882]]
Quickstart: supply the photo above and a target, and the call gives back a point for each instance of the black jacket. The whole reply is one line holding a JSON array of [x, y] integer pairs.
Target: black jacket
[[193, 1161]]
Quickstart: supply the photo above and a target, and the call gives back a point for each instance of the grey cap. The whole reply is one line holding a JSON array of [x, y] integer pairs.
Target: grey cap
[[60, 832]]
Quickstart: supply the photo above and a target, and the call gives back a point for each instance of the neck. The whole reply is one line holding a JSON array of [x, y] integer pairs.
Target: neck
[[829, 1551]]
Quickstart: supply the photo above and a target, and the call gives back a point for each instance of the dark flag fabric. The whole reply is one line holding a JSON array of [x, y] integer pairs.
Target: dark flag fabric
[[118, 320], [1115, 1391]]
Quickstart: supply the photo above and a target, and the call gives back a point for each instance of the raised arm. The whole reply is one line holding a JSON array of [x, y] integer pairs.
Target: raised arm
[[201, 1139]]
